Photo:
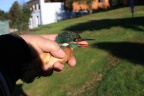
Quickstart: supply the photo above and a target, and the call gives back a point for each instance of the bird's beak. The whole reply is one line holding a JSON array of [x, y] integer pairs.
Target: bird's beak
[[85, 39], [83, 42]]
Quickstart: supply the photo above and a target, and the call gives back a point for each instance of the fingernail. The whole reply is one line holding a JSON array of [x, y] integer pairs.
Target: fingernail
[[61, 52]]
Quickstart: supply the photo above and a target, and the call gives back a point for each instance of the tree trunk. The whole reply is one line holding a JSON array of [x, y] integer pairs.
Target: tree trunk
[[90, 11], [90, 8]]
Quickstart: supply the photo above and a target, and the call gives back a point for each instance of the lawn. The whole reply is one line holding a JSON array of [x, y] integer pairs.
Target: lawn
[[112, 66]]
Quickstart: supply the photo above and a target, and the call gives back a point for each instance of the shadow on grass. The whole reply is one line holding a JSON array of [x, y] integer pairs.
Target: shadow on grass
[[19, 91], [134, 52], [128, 23]]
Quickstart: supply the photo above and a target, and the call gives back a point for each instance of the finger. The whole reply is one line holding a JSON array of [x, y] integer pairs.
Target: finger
[[72, 61], [52, 47], [58, 66], [83, 42], [51, 37]]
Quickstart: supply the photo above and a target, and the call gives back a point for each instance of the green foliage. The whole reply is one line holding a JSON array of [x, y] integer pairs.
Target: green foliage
[[116, 2], [14, 14], [90, 2], [3, 15], [19, 16], [69, 3]]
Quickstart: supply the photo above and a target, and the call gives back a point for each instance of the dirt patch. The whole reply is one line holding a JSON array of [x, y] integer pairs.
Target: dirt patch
[[89, 85]]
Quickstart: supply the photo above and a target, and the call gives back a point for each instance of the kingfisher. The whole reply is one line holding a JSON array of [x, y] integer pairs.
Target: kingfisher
[[68, 41]]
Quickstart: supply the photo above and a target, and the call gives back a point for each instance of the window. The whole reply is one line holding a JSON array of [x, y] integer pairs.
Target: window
[[39, 6], [34, 7]]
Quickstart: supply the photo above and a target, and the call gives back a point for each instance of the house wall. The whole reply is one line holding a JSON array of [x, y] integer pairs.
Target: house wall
[[51, 12], [97, 4], [35, 19], [45, 12]]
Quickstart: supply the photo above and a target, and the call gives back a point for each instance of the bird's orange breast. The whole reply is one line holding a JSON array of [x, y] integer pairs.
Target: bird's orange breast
[[48, 60]]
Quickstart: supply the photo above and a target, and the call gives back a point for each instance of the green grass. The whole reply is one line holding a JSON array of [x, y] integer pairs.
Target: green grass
[[113, 66]]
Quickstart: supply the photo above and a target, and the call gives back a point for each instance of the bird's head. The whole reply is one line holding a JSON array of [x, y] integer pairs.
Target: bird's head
[[70, 39]]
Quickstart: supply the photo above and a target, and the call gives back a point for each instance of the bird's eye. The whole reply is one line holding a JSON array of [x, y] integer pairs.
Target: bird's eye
[[75, 39]]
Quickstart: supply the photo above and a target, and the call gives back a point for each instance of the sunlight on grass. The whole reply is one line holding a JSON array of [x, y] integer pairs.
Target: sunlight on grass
[[123, 80], [112, 66]]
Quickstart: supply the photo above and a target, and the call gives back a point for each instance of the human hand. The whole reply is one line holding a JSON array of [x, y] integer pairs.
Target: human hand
[[46, 44]]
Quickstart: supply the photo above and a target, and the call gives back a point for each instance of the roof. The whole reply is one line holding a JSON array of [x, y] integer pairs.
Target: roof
[[31, 1]]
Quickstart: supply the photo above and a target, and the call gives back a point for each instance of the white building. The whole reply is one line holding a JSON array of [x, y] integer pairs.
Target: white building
[[44, 12]]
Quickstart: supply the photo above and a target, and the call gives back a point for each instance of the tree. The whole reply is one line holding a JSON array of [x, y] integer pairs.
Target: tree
[[117, 2], [3, 15], [14, 14], [25, 15], [19, 16], [89, 3]]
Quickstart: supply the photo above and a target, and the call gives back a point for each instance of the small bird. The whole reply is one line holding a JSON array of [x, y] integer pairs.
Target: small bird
[[67, 41]]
